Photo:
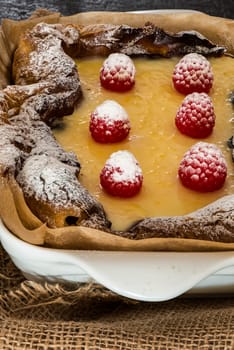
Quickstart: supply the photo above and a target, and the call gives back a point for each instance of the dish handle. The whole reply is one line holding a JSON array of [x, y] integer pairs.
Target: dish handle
[[151, 276]]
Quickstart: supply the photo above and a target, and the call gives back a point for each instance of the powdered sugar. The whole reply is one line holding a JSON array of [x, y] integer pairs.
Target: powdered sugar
[[47, 179], [205, 149], [110, 111], [203, 168], [47, 71], [48, 87], [193, 59], [48, 58], [109, 123], [193, 73], [195, 117], [118, 73], [125, 165], [121, 62], [54, 186]]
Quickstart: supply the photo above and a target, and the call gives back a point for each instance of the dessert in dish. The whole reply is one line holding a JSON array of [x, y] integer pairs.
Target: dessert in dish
[[47, 87]]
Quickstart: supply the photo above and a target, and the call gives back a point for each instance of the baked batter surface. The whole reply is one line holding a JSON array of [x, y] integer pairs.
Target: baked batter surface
[[154, 139]]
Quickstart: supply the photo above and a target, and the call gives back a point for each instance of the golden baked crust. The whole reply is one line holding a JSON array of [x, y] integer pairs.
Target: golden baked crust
[[47, 87]]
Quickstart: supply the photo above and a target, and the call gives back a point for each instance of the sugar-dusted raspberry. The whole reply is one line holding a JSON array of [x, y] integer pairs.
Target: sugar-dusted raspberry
[[193, 73], [118, 73], [121, 175], [203, 168], [109, 122], [196, 117]]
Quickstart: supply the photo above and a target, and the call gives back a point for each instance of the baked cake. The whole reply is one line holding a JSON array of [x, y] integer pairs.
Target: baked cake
[[44, 185]]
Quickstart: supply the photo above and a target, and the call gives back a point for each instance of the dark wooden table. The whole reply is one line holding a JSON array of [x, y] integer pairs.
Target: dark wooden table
[[20, 9]]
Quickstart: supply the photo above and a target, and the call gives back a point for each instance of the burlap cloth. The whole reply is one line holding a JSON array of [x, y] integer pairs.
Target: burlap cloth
[[56, 317]]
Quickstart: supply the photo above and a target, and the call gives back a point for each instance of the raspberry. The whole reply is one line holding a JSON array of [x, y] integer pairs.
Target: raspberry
[[109, 123], [121, 175], [203, 168], [193, 73], [118, 73], [195, 117]]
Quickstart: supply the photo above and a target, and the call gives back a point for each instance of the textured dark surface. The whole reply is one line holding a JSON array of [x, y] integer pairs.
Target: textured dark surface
[[22, 9]]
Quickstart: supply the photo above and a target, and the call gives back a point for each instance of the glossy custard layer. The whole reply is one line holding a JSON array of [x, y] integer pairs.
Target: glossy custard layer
[[154, 140]]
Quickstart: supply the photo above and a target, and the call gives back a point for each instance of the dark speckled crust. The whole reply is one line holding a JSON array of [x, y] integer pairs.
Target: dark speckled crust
[[46, 75], [47, 88], [55, 195], [214, 222], [47, 174], [148, 40]]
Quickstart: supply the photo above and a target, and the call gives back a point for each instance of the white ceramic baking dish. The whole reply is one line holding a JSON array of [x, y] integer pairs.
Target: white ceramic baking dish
[[148, 276]]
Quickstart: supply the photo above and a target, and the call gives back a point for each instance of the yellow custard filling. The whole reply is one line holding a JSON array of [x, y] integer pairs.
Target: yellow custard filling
[[154, 139]]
